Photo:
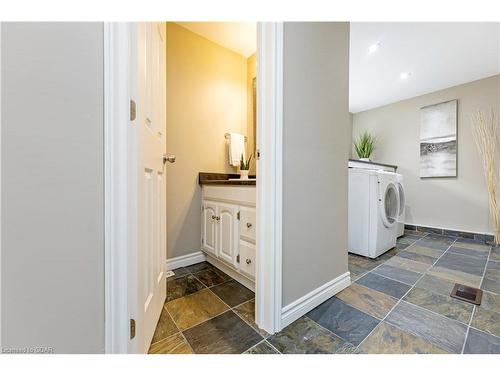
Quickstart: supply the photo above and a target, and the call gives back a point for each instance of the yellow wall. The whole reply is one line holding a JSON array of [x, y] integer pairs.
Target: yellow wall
[[251, 74], [206, 97]]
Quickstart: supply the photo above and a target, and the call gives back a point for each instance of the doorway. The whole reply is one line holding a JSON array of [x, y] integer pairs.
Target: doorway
[[125, 219]]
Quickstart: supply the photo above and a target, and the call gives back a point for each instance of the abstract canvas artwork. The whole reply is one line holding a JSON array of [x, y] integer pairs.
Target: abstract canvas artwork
[[438, 140]]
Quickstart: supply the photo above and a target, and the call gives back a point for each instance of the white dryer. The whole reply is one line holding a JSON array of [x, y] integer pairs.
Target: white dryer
[[373, 211], [402, 204]]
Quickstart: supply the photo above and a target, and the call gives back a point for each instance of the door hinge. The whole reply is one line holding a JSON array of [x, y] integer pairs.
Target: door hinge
[[133, 110], [132, 328], [258, 154], [238, 215], [238, 258]]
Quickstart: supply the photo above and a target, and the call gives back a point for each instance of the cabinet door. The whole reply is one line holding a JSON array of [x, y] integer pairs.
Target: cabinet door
[[247, 259], [209, 227], [227, 233]]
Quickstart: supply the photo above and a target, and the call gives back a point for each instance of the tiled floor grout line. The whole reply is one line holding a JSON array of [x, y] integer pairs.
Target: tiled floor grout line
[[272, 346], [474, 309], [176, 326], [333, 333], [409, 290], [229, 309], [253, 346], [238, 315]]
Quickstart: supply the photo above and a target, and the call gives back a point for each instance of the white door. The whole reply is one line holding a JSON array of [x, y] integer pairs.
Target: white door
[[209, 227], [150, 143], [227, 233]]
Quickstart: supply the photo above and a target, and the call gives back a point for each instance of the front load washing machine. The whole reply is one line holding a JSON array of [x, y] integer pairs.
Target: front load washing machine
[[373, 211]]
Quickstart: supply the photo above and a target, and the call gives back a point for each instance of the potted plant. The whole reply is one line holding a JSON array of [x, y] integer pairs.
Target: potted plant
[[244, 167], [364, 146]]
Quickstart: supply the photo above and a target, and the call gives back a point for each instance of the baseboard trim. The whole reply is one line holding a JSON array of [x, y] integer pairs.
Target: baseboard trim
[[185, 260], [303, 305], [487, 238]]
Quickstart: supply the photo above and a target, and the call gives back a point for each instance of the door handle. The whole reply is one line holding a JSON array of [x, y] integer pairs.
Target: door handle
[[169, 158]]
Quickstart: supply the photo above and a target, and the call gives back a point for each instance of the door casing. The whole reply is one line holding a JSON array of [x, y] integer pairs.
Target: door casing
[[121, 214]]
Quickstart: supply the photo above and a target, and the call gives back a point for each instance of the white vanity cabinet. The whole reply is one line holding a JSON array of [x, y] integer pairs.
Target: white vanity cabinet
[[228, 228]]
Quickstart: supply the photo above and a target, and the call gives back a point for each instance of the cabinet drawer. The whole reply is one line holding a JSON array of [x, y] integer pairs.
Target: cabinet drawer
[[247, 223], [247, 259]]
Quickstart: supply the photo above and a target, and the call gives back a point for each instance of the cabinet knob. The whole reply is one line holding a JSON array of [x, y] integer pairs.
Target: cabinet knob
[[217, 218], [248, 261], [249, 225], [213, 217]]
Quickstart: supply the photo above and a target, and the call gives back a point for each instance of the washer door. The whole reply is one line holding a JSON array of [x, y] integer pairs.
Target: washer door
[[402, 201], [389, 205]]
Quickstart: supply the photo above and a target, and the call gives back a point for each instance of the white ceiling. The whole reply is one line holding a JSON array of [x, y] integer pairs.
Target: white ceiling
[[437, 56], [240, 37]]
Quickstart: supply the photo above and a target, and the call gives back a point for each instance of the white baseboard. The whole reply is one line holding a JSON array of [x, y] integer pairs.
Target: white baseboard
[[303, 305], [185, 260]]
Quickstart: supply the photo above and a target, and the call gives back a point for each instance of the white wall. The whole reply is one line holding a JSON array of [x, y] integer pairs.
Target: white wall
[[52, 186], [316, 137], [459, 203]]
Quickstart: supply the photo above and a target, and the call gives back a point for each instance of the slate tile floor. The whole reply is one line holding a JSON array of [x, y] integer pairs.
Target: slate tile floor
[[206, 311], [397, 303]]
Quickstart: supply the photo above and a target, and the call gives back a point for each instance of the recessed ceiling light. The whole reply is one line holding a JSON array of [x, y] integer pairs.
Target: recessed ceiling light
[[374, 47], [405, 75]]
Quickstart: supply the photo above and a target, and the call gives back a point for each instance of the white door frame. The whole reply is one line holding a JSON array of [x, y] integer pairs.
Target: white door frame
[[119, 211], [0, 184], [270, 175]]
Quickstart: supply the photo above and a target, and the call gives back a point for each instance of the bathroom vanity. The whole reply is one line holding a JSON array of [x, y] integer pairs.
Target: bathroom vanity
[[228, 224]]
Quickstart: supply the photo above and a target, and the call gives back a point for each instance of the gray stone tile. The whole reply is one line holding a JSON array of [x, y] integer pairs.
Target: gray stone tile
[[165, 327], [199, 267], [433, 253], [387, 339], [486, 320], [495, 255], [430, 230], [246, 311], [491, 285], [443, 332], [407, 239], [212, 277], [233, 293], [441, 304], [456, 276], [398, 274], [368, 300], [436, 284], [478, 254], [306, 337], [182, 286], [383, 284], [435, 242], [462, 263], [179, 272], [490, 301], [345, 321], [417, 257], [226, 333], [481, 343], [401, 246], [491, 281], [262, 348], [472, 245], [408, 264]]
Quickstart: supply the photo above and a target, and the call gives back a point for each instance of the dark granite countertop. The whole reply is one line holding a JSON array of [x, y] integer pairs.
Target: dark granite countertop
[[374, 163], [205, 178]]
